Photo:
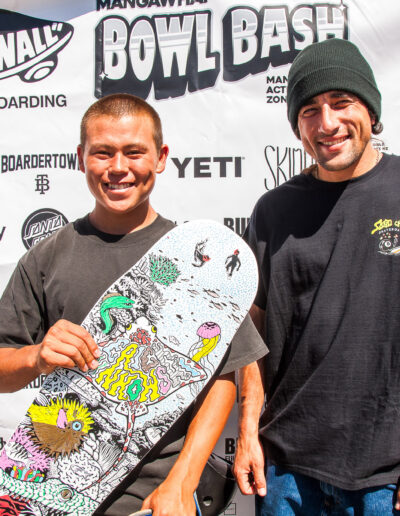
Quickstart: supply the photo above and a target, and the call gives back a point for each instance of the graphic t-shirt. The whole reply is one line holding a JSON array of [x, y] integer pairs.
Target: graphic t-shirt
[[329, 258]]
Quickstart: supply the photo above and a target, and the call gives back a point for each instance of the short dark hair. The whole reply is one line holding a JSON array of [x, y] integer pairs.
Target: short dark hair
[[119, 105], [377, 127]]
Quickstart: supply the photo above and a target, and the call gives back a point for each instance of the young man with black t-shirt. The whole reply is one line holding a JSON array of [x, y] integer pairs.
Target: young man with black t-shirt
[[58, 281], [327, 244]]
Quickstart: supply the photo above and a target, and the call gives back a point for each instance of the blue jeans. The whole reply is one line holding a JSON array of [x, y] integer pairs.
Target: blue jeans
[[291, 494]]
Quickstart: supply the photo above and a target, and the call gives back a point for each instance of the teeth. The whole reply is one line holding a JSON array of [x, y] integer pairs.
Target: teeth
[[333, 142], [118, 186]]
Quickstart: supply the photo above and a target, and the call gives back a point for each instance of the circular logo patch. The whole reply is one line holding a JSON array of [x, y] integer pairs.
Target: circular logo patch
[[40, 225]]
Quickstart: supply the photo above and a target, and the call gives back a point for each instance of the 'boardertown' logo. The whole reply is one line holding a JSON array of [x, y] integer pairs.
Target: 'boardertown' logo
[[40, 225], [173, 53], [29, 46]]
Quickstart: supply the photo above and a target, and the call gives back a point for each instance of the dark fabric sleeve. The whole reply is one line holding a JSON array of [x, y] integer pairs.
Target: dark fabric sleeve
[[21, 307], [247, 346], [255, 239]]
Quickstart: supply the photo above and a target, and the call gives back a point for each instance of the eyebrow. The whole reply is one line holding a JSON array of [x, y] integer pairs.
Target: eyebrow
[[129, 146], [336, 94]]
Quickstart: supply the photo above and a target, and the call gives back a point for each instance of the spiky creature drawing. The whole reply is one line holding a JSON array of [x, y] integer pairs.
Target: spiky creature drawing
[[58, 428]]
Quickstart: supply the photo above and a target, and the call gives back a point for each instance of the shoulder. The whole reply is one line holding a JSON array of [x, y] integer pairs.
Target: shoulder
[[156, 229], [391, 161], [386, 172], [295, 184], [393, 157], [276, 201], [35, 264], [164, 224], [44, 250]]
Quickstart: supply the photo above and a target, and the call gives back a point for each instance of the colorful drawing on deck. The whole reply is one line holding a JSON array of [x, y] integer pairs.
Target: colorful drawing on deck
[[163, 328]]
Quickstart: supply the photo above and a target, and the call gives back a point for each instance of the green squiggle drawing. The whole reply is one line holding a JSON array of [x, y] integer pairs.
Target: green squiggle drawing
[[113, 302]]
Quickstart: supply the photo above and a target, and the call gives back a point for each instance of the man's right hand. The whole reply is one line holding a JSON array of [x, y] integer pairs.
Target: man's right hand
[[67, 345], [248, 467]]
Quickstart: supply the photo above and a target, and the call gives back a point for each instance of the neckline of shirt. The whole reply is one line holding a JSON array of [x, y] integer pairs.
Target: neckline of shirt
[[373, 172], [86, 228]]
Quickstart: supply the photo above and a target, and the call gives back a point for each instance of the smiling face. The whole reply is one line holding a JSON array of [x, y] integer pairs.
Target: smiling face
[[120, 160], [335, 129]]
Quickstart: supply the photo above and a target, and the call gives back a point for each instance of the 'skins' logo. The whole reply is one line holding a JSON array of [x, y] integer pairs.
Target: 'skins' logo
[[29, 46], [388, 231]]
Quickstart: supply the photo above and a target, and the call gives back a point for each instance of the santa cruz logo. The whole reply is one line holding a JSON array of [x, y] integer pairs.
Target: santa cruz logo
[[40, 225], [388, 231], [29, 46], [176, 53]]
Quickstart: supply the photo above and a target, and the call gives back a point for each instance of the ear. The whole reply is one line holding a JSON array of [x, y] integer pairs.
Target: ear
[[79, 151], [162, 159]]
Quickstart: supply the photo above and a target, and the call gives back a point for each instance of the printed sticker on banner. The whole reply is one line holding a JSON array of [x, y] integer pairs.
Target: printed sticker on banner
[[29, 46], [40, 225]]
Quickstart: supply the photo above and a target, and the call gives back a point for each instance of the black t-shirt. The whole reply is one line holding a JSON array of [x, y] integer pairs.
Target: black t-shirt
[[62, 277], [329, 258]]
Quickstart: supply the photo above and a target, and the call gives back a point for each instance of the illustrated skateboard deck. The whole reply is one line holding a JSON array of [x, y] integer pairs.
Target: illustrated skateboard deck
[[163, 329]]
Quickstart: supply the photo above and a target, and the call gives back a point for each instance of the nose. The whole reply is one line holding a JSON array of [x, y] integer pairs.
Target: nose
[[328, 119], [119, 163]]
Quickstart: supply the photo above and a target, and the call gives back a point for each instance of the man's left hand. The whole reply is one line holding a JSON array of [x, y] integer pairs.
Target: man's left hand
[[170, 500]]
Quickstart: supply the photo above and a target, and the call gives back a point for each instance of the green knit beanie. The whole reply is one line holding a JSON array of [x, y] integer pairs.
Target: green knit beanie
[[333, 64]]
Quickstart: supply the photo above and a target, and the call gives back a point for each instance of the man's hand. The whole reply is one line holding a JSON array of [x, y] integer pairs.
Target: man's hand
[[213, 405], [67, 345], [171, 499], [249, 467], [64, 345]]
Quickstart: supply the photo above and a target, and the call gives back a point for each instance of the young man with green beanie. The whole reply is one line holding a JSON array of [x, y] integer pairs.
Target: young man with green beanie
[[327, 244]]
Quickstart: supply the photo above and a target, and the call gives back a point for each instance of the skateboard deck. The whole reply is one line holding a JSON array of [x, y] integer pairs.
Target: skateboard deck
[[163, 329]]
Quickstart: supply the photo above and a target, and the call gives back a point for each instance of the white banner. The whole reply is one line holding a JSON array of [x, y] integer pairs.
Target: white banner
[[215, 71]]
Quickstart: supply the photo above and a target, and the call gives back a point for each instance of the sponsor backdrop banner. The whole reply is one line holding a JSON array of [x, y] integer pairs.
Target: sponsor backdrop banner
[[216, 72]]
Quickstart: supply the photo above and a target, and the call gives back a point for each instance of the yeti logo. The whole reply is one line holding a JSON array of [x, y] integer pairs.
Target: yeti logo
[[29, 46]]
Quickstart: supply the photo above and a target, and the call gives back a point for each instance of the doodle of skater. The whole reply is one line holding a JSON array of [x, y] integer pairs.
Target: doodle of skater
[[232, 263], [199, 257]]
